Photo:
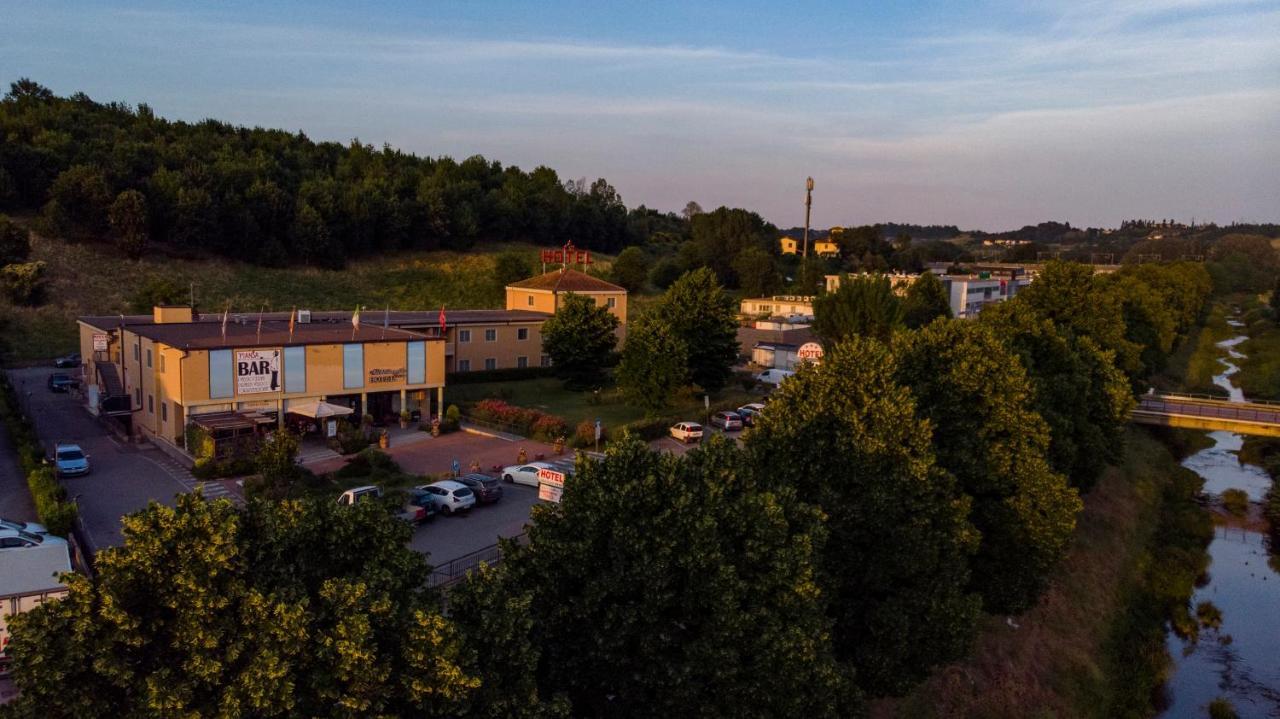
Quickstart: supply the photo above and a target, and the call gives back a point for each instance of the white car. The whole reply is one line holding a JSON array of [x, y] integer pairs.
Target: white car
[[687, 432], [17, 524], [19, 539], [450, 496], [774, 377], [523, 473]]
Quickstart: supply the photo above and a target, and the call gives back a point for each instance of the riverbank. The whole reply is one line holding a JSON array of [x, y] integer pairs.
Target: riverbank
[[1088, 649]]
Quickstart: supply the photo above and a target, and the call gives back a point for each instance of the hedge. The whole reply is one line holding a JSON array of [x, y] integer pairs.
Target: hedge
[[509, 374], [56, 513]]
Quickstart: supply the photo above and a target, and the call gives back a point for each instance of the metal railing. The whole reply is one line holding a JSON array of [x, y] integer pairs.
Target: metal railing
[[455, 570], [1199, 397], [1243, 413]]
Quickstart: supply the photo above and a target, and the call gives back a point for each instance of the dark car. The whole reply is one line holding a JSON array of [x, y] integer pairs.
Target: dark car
[[71, 360], [422, 498], [487, 489], [61, 382]]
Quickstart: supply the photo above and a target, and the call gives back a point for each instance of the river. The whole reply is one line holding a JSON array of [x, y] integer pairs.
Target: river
[[1240, 660]]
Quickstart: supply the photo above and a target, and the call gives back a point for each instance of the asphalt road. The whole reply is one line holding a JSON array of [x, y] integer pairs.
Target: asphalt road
[[446, 538], [123, 478]]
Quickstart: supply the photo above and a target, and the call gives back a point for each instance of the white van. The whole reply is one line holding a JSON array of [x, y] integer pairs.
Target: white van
[[773, 376]]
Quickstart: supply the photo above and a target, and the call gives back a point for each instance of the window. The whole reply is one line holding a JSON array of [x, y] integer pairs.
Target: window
[[137, 396], [151, 404], [490, 335], [611, 302], [352, 366], [522, 362], [766, 308], [522, 333], [295, 369], [491, 363], [161, 361], [544, 361], [464, 365], [148, 357], [529, 300], [464, 335], [137, 353], [416, 362], [220, 374], [164, 412]]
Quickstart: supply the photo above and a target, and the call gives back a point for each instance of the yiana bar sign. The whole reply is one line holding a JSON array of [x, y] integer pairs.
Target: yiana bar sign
[[257, 371]]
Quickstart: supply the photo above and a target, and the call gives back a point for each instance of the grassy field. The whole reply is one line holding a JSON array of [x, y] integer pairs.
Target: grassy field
[[549, 395], [1191, 368], [94, 279]]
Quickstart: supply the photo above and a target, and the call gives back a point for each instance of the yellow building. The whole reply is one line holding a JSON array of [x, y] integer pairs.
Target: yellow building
[[777, 306], [788, 245], [823, 248], [545, 292], [156, 375]]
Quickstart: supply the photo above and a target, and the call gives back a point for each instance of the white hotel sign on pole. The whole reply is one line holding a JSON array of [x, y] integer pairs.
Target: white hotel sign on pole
[[550, 485], [257, 371], [810, 352]]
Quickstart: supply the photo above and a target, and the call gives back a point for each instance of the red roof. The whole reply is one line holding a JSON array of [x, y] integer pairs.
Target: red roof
[[567, 280]]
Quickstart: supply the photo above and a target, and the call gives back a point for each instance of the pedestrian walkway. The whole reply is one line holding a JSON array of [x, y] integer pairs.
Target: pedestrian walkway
[[210, 489]]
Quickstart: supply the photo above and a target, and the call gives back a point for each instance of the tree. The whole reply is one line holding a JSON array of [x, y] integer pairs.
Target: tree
[[721, 235], [975, 394], [277, 464], [701, 315], [128, 218], [24, 282], [1275, 298], [691, 209], [580, 338], [156, 290], [15, 242], [511, 266], [812, 279], [646, 604], [654, 364], [286, 609], [925, 302], [757, 274], [630, 269], [862, 306], [28, 89], [844, 435], [1149, 323], [78, 203], [664, 273], [312, 240]]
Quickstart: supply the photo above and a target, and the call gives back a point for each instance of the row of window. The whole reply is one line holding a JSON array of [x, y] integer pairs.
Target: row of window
[[222, 374], [464, 365], [522, 333], [151, 404]]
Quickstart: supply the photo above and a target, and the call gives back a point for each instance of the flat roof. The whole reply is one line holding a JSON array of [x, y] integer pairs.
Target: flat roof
[[396, 318], [275, 333], [33, 569]]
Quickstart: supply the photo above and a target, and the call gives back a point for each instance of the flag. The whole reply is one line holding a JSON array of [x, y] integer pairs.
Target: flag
[[224, 323], [386, 321], [293, 316], [355, 322], [260, 310], [441, 320]]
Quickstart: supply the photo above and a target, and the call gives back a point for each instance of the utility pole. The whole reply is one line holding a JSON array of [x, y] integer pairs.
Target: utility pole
[[808, 203]]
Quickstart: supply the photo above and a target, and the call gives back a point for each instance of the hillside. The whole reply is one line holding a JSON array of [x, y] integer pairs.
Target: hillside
[[92, 278]]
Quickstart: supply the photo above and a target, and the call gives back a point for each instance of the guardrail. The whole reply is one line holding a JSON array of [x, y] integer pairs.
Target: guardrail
[[1205, 398], [455, 570], [1245, 413]]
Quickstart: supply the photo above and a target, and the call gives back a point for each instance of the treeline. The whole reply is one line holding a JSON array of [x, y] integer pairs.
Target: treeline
[[886, 500], [272, 197]]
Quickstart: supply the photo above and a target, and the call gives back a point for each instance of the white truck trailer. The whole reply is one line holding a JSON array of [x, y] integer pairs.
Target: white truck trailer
[[28, 578]]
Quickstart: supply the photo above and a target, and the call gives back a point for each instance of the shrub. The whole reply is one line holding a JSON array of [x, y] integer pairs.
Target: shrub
[[366, 462], [548, 427], [585, 434], [24, 282], [1235, 501], [350, 438], [527, 422], [57, 514], [1222, 708]]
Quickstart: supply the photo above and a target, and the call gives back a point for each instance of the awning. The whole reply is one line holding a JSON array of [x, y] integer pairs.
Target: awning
[[319, 409]]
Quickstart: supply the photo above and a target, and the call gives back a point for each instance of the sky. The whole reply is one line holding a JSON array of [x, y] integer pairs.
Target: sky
[[986, 115]]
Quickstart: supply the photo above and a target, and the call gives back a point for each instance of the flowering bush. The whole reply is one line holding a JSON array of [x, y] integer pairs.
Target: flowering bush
[[548, 427], [528, 422]]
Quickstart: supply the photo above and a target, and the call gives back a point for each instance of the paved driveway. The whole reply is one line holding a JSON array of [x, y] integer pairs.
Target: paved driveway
[[124, 478]]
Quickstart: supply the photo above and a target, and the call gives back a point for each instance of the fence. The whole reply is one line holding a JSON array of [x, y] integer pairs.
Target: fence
[[455, 570]]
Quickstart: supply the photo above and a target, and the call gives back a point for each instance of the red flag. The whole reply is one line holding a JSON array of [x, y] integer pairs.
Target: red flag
[[442, 320]]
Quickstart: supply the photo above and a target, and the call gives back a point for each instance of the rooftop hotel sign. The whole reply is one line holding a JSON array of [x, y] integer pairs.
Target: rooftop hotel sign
[[257, 371], [567, 255]]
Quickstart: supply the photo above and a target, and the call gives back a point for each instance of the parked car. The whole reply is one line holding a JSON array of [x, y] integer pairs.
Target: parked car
[[728, 421], [774, 377], [748, 413], [71, 360], [19, 525], [487, 489], [425, 501], [19, 539], [687, 432], [450, 496], [371, 493], [61, 382], [70, 461], [523, 473]]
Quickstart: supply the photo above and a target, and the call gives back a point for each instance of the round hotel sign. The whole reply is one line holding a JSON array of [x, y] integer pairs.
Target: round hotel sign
[[810, 352]]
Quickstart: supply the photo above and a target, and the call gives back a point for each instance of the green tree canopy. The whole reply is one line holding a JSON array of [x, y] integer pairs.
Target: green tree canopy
[[128, 218], [654, 364], [156, 290], [719, 236], [1077, 390], [289, 609], [1149, 323], [15, 242], [580, 338], [757, 273], [1275, 297], [24, 282], [863, 306], [703, 317], [664, 273], [664, 586], [925, 302], [78, 203], [975, 394], [895, 568], [630, 269]]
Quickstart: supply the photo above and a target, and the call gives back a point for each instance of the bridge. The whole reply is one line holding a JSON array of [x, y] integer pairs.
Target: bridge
[[1191, 411]]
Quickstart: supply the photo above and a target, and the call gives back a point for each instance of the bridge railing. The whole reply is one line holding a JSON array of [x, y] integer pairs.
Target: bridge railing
[[1244, 413], [1205, 398]]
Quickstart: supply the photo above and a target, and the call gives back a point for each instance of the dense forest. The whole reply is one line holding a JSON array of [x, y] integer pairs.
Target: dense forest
[[274, 197]]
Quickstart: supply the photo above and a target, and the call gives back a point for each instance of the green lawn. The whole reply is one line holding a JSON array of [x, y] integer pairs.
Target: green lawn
[[549, 395]]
